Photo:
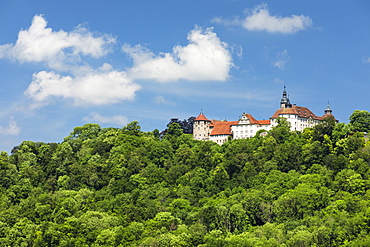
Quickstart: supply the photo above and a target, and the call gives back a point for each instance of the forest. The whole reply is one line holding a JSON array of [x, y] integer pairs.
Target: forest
[[126, 187]]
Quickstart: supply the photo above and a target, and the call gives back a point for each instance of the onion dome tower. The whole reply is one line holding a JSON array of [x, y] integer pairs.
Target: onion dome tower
[[285, 102]]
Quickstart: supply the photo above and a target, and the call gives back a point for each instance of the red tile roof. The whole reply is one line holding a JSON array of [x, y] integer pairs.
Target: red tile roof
[[264, 122], [328, 115], [302, 112], [252, 120], [201, 117], [277, 113], [222, 128]]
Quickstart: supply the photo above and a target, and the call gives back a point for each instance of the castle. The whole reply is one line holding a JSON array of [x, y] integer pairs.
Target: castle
[[247, 126]]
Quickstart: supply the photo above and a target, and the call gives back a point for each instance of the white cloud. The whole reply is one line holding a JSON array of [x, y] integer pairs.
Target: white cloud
[[97, 87], [56, 48], [281, 59], [96, 117], [204, 58], [4, 49], [366, 60], [261, 20], [160, 100], [12, 128], [234, 22]]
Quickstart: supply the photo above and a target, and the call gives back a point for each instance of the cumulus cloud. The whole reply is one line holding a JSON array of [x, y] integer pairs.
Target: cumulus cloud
[[260, 19], [11, 129], [56, 48], [98, 87], [63, 51], [204, 58], [116, 119], [281, 59]]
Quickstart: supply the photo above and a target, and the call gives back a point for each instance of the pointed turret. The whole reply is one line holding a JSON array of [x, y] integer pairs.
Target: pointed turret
[[328, 111], [285, 100], [201, 117]]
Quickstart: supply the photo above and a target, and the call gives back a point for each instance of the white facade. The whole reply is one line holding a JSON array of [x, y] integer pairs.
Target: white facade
[[201, 130], [247, 126], [219, 139], [296, 123]]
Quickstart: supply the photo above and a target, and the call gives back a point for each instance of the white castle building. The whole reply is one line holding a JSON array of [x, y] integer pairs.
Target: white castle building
[[247, 126]]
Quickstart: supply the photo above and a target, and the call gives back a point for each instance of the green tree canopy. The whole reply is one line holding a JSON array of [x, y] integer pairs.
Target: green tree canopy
[[360, 121], [125, 187]]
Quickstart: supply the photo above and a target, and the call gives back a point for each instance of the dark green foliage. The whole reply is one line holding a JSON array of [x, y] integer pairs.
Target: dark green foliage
[[125, 187], [186, 125], [326, 127], [281, 131]]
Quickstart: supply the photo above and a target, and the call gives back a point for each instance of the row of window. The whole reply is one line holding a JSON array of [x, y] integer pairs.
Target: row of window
[[242, 126], [241, 132], [221, 141], [216, 136], [203, 135], [243, 137]]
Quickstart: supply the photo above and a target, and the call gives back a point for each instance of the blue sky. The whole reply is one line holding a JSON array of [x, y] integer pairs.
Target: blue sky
[[67, 63]]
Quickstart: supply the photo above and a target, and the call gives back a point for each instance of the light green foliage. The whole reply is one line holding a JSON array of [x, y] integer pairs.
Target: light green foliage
[[8, 171], [132, 128], [125, 187], [88, 131], [360, 121], [215, 238]]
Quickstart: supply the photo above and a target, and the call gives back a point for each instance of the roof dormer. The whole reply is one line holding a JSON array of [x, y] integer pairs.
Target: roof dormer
[[244, 119]]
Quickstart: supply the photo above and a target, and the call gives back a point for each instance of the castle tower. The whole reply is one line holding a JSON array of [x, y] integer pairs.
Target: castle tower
[[201, 127], [328, 111], [284, 100]]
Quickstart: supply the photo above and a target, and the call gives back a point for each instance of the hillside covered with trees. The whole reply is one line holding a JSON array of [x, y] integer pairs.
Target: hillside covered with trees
[[125, 187]]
